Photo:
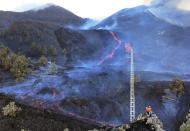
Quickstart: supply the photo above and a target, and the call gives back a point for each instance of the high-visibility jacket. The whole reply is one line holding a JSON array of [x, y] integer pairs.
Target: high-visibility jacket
[[148, 109]]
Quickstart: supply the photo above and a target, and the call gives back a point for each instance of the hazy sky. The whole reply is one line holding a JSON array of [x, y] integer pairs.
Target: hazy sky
[[85, 8], [96, 9]]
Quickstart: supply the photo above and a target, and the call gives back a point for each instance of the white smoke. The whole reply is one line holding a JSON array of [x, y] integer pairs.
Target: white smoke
[[179, 4], [184, 5], [41, 7], [174, 11], [90, 23]]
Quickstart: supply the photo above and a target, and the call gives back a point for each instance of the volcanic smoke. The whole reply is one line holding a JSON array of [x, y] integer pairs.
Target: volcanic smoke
[[113, 52], [127, 46]]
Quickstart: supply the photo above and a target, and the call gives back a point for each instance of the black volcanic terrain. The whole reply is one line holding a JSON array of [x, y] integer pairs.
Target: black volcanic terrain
[[163, 46], [89, 87]]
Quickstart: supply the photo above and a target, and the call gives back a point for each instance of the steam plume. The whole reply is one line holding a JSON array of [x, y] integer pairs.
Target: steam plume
[[174, 11]]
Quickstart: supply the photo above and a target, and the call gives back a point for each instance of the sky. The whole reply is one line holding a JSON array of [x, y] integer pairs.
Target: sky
[[94, 9]]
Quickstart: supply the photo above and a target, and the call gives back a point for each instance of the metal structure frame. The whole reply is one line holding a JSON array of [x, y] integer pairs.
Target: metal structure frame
[[132, 93]]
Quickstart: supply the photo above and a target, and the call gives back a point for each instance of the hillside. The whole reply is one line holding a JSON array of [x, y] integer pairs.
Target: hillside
[[47, 15], [91, 69], [159, 43], [32, 32]]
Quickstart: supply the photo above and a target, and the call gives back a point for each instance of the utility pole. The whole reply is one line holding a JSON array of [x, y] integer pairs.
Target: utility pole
[[132, 93]]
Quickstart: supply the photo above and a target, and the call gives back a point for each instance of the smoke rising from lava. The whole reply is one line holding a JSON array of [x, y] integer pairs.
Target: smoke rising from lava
[[181, 4]]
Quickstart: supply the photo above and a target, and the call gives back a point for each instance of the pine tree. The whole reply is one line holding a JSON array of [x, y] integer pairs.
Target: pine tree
[[53, 68], [19, 68], [186, 126], [177, 86], [43, 60], [45, 51], [5, 60], [52, 50]]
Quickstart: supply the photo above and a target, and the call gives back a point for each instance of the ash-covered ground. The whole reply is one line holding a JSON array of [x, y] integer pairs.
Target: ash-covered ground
[[101, 94], [98, 93]]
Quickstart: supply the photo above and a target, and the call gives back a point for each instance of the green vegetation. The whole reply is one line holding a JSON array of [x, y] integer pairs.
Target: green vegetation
[[33, 46], [11, 110], [5, 60], [39, 49], [43, 60], [186, 126], [64, 52], [36, 48], [45, 51], [53, 68], [121, 129], [52, 50], [177, 86], [19, 68], [27, 35], [66, 129], [24, 130]]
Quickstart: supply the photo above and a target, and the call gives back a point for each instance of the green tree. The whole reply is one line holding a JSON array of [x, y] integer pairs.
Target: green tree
[[52, 50], [177, 86], [5, 60], [45, 51], [34, 46], [27, 37], [53, 68], [43, 60], [19, 68], [186, 126], [39, 48], [64, 52]]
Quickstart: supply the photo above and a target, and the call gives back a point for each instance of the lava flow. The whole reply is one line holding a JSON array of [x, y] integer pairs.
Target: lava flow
[[40, 104], [127, 47], [55, 106], [113, 52]]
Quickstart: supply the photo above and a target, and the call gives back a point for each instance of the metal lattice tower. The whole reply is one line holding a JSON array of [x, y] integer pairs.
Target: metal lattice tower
[[132, 93]]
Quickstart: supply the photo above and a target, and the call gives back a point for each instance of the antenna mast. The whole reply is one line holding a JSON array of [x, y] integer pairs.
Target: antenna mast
[[132, 93]]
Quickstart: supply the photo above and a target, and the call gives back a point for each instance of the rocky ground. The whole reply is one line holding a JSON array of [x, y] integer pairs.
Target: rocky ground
[[39, 119], [35, 119], [93, 94]]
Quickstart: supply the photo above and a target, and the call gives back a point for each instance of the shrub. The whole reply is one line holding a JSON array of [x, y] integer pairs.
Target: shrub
[[186, 126], [53, 50], [53, 68], [19, 68], [11, 110], [66, 129], [177, 86], [43, 60], [24, 130], [64, 52]]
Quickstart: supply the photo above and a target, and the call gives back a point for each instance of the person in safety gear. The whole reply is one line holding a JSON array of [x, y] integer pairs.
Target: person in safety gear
[[149, 110]]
